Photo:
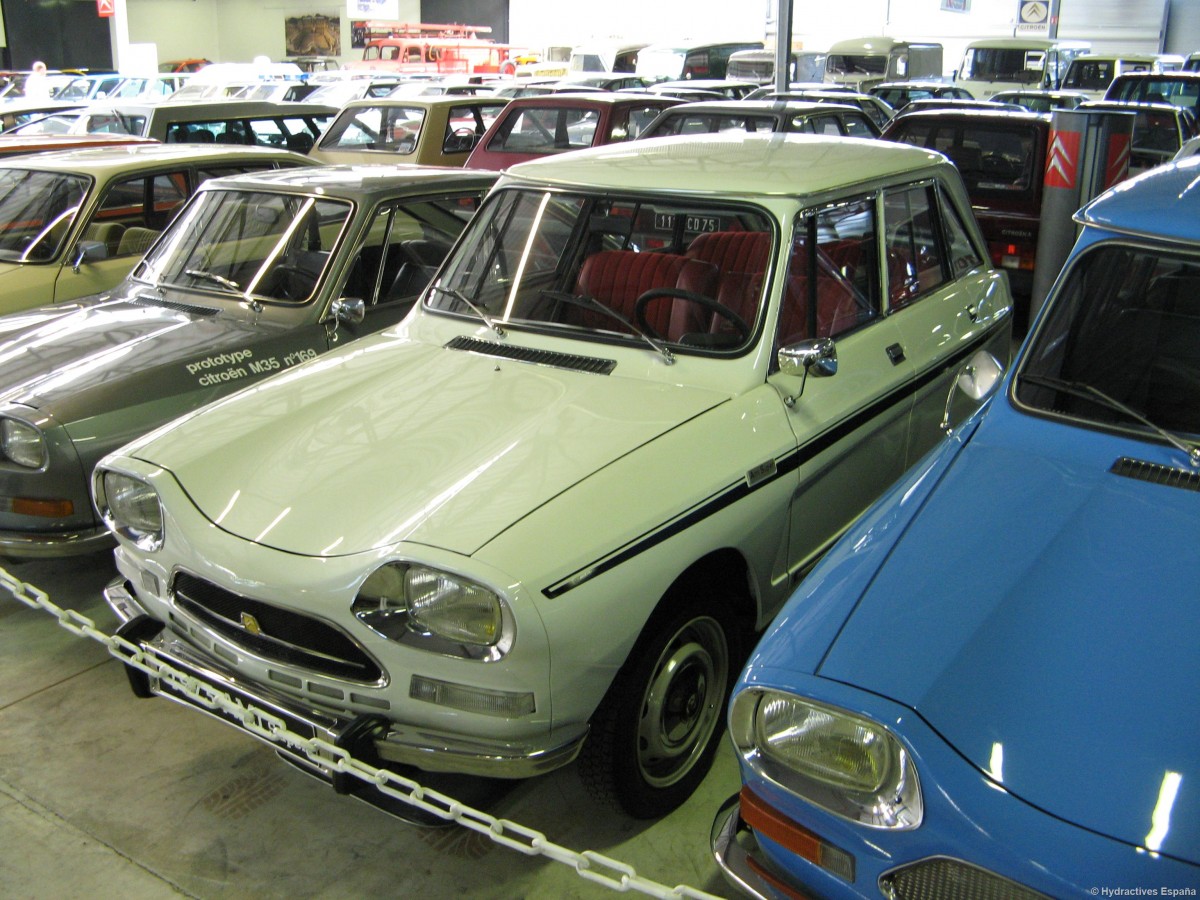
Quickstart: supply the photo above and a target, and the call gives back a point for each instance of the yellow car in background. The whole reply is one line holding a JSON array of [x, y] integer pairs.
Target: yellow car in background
[[75, 222], [429, 131]]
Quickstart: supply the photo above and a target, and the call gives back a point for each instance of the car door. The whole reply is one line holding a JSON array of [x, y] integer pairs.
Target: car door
[[942, 298], [850, 426], [127, 216], [404, 246]]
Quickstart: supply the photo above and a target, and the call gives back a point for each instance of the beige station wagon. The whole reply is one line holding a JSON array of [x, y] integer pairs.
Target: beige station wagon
[[429, 131], [75, 222]]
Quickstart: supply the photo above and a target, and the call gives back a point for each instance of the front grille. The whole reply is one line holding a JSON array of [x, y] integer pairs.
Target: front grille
[[1154, 473], [950, 879], [274, 633]]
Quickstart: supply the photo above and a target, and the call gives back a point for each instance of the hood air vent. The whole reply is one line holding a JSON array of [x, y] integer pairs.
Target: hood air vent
[[538, 357], [142, 300], [1156, 474]]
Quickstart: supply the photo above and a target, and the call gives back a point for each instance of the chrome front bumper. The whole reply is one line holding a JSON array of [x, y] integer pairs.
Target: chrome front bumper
[[736, 851], [35, 545], [373, 739]]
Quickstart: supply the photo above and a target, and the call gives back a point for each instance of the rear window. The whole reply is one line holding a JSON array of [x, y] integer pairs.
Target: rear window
[[992, 159], [545, 130]]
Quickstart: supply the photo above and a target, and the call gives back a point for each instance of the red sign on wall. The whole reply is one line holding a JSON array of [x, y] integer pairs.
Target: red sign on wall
[[104, 8], [1062, 160]]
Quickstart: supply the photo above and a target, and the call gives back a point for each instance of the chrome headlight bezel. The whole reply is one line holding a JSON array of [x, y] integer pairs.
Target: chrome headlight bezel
[[22, 443], [130, 507], [436, 610], [802, 746]]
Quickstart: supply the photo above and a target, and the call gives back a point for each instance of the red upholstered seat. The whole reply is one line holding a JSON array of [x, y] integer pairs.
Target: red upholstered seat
[[618, 277]]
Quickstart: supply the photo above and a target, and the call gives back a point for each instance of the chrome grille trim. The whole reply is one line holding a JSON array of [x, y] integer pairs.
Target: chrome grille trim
[[541, 357], [278, 634]]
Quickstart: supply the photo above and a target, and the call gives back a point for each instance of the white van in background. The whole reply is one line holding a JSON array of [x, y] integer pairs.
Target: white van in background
[[1009, 64], [862, 63], [1092, 73]]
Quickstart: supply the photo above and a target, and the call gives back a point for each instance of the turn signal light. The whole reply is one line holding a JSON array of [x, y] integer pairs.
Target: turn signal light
[[47, 509]]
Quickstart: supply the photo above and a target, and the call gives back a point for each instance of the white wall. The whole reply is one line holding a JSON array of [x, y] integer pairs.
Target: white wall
[[239, 30]]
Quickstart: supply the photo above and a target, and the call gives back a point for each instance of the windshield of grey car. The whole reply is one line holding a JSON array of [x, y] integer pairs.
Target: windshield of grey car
[[1125, 328], [249, 244], [36, 212], [690, 273]]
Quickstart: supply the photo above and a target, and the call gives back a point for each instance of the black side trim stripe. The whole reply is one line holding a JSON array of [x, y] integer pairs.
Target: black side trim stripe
[[786, 464]]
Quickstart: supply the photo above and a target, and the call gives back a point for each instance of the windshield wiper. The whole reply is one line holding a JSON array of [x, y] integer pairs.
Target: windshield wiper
[[1085, 390], [215, 278], [593, 304], [462, 298]]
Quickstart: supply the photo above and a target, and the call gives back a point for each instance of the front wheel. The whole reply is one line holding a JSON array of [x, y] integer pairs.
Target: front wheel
[[654, 735]]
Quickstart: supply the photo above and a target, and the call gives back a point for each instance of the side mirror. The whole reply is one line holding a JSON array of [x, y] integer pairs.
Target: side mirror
[[350, 310], [88, 251], [978, 378], [817, 356]]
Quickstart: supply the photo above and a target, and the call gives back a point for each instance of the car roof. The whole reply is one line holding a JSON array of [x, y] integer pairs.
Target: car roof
[[361, 182], [972, 113], [757, 107], [749, 164], [202, 108], [592, 99], [1135, 207], [132, 157], [431, 101]]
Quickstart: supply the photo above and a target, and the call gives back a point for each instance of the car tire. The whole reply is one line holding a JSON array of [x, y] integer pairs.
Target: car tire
[[654, 735]]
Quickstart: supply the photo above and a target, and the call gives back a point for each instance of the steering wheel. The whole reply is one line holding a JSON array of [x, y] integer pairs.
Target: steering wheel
[[639, 310], [291, 283]]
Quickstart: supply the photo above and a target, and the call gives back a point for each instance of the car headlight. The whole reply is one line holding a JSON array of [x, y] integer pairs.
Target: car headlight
[[131, 508], [22, 443], [837, 760], [407, 601]]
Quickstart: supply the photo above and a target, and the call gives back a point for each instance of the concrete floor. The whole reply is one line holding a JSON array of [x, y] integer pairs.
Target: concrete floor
[[104, 795]]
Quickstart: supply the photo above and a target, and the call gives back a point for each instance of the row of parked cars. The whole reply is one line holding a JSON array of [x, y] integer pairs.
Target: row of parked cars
[[488, 473]]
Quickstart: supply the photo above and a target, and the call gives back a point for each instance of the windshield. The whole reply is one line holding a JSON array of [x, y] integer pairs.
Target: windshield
[[661, 63], [856, 64], [36, 212], [612, 268], [1126, 325], [1022, 66], [250, 244]]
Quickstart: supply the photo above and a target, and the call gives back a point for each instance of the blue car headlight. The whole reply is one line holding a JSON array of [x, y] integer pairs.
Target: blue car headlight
[[129, 507], [837, 760]]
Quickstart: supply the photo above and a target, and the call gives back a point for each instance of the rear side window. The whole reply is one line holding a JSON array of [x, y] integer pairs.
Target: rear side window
[[914, 249]]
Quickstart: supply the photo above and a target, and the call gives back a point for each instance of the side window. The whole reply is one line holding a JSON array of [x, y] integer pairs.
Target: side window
[[405, 245], [912, 249], [133, 211], [833, 276], [169, 191], [962, 253], [858, 126], [637, 121]]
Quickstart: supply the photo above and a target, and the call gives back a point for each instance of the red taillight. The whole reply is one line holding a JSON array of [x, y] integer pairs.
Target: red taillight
[[1013, 256]]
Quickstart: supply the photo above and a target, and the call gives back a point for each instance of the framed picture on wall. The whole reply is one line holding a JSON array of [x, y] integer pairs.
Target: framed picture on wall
[[313, 35]]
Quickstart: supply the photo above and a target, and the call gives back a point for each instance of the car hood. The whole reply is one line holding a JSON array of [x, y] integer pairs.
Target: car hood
[[84, 359], [1040, 614], [392, 439]]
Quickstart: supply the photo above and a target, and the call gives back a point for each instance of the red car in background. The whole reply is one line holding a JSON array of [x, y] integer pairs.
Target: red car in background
[[1002, 157], [531, 127]]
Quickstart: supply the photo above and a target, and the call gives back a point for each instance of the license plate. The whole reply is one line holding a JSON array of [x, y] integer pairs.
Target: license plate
[[692, 224], [165, 686]]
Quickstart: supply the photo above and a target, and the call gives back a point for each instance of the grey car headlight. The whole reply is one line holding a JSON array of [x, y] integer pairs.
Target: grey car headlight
[[130, 507], [22, 443], [407, 601], [837, 760]]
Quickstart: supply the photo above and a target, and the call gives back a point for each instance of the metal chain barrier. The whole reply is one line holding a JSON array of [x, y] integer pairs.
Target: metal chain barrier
[[592, 866]]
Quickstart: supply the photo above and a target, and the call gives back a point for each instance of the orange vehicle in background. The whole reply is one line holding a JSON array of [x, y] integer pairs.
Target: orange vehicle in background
[[417, 48]]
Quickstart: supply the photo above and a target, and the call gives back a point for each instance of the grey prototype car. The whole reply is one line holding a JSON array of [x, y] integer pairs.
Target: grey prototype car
[[257, 273]]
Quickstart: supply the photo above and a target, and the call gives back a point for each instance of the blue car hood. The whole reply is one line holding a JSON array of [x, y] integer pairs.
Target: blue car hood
[[1041, 615]]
